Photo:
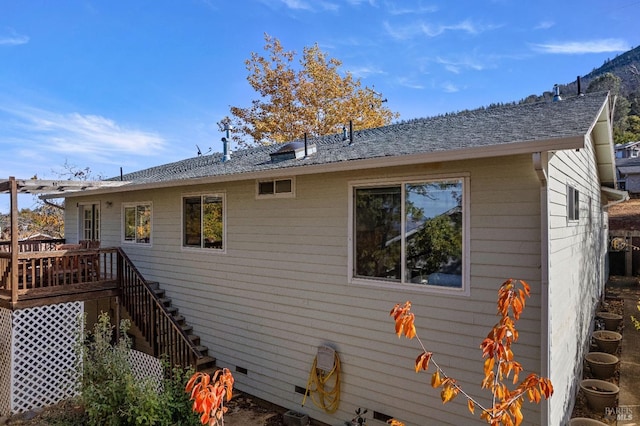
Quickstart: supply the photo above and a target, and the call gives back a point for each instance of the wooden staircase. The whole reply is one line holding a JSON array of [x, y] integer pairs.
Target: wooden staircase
[[204, 362], [161, 325]]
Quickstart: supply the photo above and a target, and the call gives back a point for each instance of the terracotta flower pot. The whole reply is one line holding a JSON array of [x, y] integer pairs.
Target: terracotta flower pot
[[611, 320], [607, 341], [599, 394], [602, 364], [584, 421]]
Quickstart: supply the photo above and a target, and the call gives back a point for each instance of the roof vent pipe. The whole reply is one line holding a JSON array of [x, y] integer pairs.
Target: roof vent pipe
[[556, 93], [306, 149], [226, 141], [344, 133], [579, 87], [350, 131]]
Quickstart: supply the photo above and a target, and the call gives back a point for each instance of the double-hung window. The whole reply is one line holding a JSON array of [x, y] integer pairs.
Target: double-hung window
[[410, 232], [203, 221], [137, 223]]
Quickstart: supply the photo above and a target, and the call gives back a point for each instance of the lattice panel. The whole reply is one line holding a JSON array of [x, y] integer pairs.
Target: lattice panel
[[43, 370], [5, 362], [145, 366]]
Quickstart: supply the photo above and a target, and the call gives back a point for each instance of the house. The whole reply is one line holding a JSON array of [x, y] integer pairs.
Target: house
[[628, 170], [627, 150], [276, 253]]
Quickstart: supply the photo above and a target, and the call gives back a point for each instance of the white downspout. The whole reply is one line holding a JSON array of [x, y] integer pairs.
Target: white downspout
[[540, 164]]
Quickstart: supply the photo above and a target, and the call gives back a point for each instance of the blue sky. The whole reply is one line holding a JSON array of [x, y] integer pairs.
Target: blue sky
[[133, 84]]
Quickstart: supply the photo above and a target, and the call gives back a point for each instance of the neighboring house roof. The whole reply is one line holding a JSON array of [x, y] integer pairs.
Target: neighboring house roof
[[628, 166], [489, 132]]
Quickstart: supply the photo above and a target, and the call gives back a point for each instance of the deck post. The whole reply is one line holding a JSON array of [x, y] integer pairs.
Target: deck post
[[14, 240]]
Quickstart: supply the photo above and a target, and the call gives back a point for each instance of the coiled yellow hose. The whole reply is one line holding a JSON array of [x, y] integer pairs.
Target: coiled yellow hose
[[326, 386]]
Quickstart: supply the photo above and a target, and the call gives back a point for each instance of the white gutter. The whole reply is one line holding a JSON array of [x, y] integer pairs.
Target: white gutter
[[615, 194], [540, 164]]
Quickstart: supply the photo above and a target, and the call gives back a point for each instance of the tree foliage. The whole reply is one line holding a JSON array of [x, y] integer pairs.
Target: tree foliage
[[499, 364], [314, 99]]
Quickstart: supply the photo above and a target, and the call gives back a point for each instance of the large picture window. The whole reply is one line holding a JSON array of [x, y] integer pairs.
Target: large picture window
[[203, 221], [137, 223], [410, 233]]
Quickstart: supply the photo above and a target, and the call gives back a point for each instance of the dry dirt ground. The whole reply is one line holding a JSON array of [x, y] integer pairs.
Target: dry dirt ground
[[244, 410]]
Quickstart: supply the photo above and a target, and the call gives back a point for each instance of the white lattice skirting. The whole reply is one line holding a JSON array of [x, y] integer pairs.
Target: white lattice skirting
[[5, 362], [43, 367], [38, 360]]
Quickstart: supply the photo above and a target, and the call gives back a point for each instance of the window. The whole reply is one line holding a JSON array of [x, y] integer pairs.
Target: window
[[275, 188], [137, 223], [410, 233], [573, 203], [90, 225], [203, 221]]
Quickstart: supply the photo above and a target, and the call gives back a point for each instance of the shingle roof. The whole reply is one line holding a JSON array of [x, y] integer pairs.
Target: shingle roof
[[469, 129]]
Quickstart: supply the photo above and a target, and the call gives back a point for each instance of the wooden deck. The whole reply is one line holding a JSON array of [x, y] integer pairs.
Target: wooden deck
[[44, 277]]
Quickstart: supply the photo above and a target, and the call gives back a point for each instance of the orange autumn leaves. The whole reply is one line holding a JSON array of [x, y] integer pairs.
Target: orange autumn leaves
[[208, 395], [499, 365]]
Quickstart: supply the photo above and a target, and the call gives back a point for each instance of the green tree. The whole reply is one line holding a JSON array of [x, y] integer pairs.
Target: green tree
[[612, 83], [315, 99]]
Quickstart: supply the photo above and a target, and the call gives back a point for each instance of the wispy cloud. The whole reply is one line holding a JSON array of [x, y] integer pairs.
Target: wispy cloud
[[309, 5], [581, 47], [544, 25], [449, 87], [410, 83], [12, 38], [409, 31], [73, 133], [458, 65], [395, 9], [365, 71]]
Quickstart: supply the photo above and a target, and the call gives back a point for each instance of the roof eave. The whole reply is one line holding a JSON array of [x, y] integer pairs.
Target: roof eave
[[500, 150]]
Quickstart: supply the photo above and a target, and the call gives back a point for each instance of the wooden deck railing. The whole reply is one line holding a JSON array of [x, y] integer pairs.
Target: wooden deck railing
[[147, 311], [32, 245], [55, 272], [61, 275]]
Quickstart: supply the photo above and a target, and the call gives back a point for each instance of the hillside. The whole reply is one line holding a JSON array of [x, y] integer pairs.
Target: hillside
[[621, 76]]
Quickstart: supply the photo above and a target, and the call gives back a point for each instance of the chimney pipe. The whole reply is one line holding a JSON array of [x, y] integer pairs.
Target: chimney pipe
[[226, 141], [344, 133]]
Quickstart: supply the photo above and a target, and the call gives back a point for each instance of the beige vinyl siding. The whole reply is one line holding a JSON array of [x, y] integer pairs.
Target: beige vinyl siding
[[281, 289], [576, 276]]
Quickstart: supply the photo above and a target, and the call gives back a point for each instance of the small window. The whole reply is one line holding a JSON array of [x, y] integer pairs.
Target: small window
[[275, 188], [203, 221], [573, 203], [137, 223]]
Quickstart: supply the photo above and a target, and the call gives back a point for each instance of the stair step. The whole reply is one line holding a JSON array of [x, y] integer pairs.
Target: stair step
[[186, 328], [194, 339], [179, 319], [166, 301], [159, 292], [206, 363], [153, 285], [202, 349]]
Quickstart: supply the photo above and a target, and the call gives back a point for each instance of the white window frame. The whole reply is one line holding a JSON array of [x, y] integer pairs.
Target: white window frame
[[95, 220], [275, 194], [202, 195], [406, 286], [136, 204]]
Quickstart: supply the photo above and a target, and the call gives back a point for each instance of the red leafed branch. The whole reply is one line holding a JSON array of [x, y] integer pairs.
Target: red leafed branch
[[499, 364]]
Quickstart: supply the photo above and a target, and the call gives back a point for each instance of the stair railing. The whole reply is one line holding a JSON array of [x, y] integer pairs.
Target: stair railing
[[150, 315]]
